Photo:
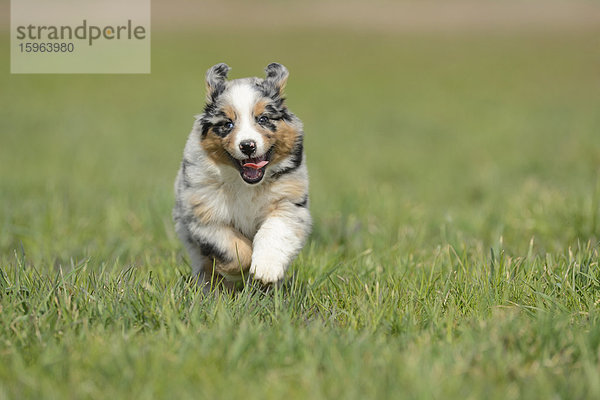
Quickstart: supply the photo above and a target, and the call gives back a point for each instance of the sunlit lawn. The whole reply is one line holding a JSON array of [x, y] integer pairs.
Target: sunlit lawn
[[455, 192]]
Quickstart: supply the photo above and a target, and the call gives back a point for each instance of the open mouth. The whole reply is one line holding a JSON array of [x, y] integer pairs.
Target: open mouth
[[252, 169]]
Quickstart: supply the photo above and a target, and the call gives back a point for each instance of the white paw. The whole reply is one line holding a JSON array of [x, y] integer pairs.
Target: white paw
[[266, 272]]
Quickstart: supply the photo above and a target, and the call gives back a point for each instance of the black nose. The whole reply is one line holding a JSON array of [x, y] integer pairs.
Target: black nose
[[248, 147]]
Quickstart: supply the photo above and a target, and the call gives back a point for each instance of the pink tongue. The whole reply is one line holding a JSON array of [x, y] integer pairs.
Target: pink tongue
[[256, 166]]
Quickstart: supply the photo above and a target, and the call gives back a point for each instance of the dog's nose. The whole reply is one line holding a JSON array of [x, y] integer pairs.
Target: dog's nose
[[247, 147]]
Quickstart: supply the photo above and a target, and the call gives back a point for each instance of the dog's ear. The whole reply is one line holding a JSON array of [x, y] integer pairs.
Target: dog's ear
[[215, 80], [277, 76]]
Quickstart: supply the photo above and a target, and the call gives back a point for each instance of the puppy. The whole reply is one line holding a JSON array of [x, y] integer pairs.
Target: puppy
[[241, 193]]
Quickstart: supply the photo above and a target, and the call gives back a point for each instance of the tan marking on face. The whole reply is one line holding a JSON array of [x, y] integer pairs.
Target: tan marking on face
[[216, 146], [260, 107], [229, 112], [285, 138]]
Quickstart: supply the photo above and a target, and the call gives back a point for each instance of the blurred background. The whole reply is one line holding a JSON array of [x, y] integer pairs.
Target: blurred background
[[464, 122]]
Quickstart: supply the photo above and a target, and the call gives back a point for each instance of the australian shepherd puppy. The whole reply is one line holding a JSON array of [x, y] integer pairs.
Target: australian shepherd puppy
[[242, 190]]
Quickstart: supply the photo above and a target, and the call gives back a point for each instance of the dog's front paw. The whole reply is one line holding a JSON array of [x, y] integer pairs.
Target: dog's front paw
[[267, 273]]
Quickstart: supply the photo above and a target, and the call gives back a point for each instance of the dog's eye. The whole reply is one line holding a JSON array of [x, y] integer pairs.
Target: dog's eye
[[226, 127], [263, 119]]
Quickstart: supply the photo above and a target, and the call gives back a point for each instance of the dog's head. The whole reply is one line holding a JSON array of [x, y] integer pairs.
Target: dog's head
[[246, 124]]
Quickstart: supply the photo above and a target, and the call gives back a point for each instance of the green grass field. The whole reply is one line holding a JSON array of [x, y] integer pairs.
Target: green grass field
[[455, 191]]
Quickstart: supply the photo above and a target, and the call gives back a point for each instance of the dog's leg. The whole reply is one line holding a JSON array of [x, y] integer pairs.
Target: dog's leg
[[279, 239], [215, 249], [196, 259]]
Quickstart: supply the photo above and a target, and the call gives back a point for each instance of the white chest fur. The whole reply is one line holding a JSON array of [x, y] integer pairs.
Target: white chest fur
[[229, 201]]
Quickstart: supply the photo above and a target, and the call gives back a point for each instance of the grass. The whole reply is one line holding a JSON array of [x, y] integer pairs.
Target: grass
[[455, 190]]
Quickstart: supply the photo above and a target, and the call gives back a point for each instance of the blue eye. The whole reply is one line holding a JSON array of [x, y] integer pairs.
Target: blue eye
[[263, 119], [224, 128]]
